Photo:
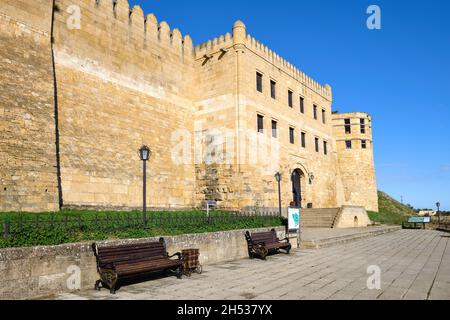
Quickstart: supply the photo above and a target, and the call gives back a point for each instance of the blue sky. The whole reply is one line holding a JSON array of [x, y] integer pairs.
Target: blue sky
[[398, 74]]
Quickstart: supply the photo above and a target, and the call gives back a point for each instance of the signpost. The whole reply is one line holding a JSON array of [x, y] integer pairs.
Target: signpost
[[294, 224], [415, 221], [210, 204], [419, 220]]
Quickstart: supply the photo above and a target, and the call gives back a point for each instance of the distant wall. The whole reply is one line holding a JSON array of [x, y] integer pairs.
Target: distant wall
[[40, 271], [28, 179], [123, 81]]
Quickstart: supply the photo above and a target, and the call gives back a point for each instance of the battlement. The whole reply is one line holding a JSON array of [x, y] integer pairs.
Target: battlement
[[240, 36], [272, 57], [138, 27], [213, 46]]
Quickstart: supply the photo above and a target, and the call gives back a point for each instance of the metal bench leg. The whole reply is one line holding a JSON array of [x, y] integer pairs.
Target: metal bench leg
[[97, 285], [180, 273]]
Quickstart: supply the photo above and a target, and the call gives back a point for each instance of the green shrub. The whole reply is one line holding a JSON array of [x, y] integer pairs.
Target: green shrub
[[27, 229]]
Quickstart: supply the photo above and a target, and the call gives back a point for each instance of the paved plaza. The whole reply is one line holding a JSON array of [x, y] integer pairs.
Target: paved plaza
[[415, 264]]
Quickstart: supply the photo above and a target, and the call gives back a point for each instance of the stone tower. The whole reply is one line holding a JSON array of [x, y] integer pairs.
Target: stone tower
[[354, 144]]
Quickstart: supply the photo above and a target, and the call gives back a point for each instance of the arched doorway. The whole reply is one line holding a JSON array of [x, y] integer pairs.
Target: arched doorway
[[297, 187]]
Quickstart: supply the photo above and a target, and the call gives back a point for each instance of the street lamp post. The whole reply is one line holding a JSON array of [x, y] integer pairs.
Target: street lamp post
[[438, 205], [144, 154], [278, 178]]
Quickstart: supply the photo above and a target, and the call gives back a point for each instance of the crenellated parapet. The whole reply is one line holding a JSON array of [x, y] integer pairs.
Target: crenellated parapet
[[240, 37], [145, 30], [214, 46], [271, 56]]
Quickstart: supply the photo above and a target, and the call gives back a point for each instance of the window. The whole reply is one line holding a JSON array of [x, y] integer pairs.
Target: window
[[303, 140], [273, 89], [302, 105], [292, 135], [290, 101], [363, 126], [260, 123], [274, 129], [315, 112], [348, 127], [324, 120], [259, 82], [348, 144], [317, 144], [363, 144], [325, 148]]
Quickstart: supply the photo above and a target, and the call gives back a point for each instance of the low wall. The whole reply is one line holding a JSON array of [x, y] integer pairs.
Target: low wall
[[43, 271], [352, 217]]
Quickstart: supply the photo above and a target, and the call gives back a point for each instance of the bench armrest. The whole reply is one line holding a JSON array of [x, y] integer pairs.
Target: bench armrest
[[285, 239], [180, 257]]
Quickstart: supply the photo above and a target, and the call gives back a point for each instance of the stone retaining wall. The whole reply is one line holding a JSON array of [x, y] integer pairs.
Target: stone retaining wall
[[41, 271]]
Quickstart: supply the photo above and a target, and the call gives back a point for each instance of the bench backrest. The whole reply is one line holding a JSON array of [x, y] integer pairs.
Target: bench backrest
[[131, 252], [263, 237]]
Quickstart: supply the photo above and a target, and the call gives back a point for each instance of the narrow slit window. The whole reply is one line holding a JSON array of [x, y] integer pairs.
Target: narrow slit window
[[317, 144], [303, 139], [348, 127], [260, 123], [274, 129], [325, 148], [315, 112], [363, 126], [259, 82], [348, 144], [302, 105], [364, 144], [273, 89], [292, 135], [324, 118], [290, 99]]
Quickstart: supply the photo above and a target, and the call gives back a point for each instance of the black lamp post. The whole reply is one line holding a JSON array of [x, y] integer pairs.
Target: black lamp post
[[438, 205], [144, 154], [278, 178]]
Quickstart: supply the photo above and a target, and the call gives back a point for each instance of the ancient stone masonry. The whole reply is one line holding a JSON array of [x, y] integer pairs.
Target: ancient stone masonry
[[121, 79]]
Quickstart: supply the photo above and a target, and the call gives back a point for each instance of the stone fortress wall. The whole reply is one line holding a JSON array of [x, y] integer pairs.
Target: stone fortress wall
[[28, 175], [124, 79]]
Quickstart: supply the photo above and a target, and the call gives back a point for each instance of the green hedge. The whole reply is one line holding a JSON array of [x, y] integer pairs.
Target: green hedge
[[27, 229]]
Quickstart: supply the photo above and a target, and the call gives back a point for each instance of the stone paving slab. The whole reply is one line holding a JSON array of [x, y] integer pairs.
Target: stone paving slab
[[414, 264]]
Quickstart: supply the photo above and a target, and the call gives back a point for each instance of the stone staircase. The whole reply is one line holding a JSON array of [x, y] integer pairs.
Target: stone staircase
[[319, 218]]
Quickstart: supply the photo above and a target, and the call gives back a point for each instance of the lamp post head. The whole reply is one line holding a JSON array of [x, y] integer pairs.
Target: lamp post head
[[145, 153], [278, 177], [438, 205]]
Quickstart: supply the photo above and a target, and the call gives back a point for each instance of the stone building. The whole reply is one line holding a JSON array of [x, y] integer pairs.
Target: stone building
[[85, 83]]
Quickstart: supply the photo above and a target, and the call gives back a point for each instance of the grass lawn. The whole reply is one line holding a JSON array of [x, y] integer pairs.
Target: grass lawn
[[391, 212]]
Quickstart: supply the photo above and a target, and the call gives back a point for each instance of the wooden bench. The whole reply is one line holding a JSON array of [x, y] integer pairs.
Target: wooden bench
[[116, 263], [262, 243]]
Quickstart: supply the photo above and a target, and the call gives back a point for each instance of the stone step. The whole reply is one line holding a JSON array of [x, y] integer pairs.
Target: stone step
[[318, 218], [357, 234]]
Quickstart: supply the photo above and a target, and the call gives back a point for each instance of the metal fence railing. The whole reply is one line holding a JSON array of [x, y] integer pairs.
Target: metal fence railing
[[126, 221]]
